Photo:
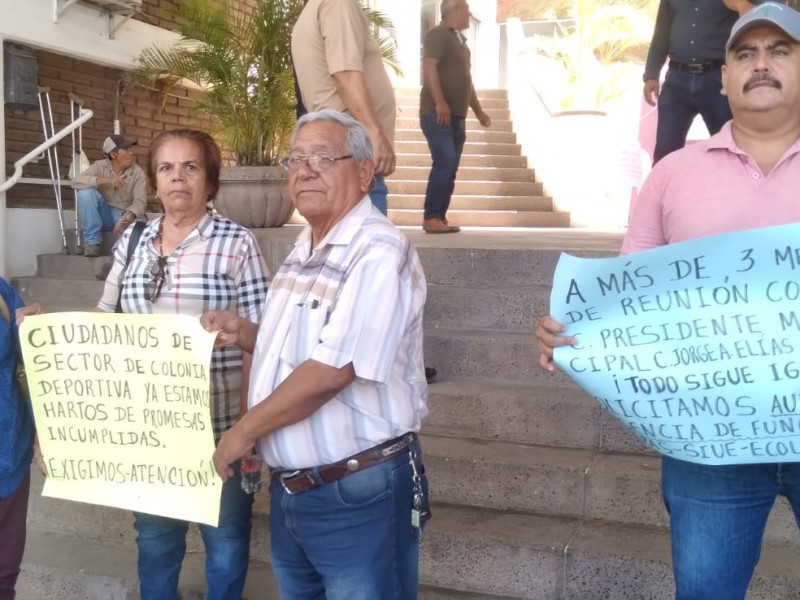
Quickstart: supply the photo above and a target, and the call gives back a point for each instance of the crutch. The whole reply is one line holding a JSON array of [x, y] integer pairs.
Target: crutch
[[46, 111], [80, 162]]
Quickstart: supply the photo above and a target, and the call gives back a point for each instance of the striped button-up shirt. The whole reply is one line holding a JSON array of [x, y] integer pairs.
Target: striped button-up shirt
[[218, 266], [358, 297]]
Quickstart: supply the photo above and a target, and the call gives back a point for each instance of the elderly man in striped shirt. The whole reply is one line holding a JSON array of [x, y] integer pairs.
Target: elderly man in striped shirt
[[338, 390]]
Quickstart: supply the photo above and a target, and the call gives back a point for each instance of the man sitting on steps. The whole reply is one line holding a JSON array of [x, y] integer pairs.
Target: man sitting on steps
[[111, 194]]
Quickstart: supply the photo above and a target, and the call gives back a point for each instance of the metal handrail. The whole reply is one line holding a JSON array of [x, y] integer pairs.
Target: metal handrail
[[86, 114]]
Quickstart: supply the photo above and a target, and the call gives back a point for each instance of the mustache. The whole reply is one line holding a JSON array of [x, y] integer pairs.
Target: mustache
[[759, 78]]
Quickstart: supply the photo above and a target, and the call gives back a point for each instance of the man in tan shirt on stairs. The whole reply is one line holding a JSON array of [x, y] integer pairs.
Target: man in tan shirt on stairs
[[339, 66]]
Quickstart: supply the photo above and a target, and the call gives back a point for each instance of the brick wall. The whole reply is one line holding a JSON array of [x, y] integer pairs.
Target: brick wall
[[163, 13], [142, 113]]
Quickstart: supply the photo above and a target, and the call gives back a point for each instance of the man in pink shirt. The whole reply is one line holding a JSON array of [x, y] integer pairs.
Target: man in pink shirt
[[745, 176]]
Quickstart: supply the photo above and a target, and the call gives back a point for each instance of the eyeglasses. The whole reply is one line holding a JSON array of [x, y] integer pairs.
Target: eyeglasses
[[315, 162], [158, 276]]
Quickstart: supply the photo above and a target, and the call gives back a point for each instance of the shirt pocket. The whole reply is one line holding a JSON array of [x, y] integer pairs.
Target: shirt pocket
[[305, 328]]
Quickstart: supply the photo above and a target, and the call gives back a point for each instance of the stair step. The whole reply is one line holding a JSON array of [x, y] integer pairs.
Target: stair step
[[536, 557], [560, 481], [72, 266], [73, 292], [488, 188], [423, 159], [503, 355], [487, 103], [416, 202], [403, 147], [409, 109], [465, 218], [68, 568], [472, 124], [479, 135], [96, 523], [465, 173], [506, 308], [413, 90]]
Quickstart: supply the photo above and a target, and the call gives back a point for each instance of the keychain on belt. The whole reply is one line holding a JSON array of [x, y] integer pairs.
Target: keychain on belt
[[420, 509]]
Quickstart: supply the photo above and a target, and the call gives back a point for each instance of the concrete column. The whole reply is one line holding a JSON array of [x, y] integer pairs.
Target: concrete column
[[405, 16], [486, 47]]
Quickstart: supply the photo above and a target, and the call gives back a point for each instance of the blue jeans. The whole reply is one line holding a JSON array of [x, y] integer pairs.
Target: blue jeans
[[162, 546], [717, 518], [446, 145], [682, 97], [351, 539], [95, 215], [378, 194]]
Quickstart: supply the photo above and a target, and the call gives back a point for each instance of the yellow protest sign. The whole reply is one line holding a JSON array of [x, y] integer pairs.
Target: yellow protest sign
[[121, 404]]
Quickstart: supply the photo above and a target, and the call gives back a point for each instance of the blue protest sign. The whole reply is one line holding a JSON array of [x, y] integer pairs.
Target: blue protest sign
[[695, 346]]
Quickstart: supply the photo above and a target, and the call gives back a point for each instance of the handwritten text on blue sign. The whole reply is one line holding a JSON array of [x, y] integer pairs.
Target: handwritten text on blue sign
[[695, 346]]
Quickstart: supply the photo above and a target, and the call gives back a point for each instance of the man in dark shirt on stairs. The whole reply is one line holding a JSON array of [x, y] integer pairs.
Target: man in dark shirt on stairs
[[447, 93], [692, 33]]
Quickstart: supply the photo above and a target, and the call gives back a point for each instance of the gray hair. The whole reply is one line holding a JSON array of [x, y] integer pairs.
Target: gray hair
[[449, 6], [358, 143]]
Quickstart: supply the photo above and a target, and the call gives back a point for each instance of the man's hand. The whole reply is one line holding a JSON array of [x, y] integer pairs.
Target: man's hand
[[443, 115], [382, 155], [484, 119], [226, 323], [549, 334], [124, 222], [651, 88], [113, 180], [232, 446]]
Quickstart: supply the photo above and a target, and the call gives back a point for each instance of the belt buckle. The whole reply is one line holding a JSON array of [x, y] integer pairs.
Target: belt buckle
[[283, 476], [695, 68]]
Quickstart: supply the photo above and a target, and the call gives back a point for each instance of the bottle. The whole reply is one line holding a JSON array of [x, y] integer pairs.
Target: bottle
[[251, 473]]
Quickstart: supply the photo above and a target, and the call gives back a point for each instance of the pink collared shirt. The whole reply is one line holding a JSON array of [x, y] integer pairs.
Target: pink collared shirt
[[712, 187]]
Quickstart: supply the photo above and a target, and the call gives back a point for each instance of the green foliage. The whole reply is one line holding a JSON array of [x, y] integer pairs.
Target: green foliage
[[535, 10], [385, 33], [242, 62], [593, 49]]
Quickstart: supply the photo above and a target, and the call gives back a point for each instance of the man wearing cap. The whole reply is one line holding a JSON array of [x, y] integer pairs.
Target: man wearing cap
[[745, 176], [111, 194], [692, 35]]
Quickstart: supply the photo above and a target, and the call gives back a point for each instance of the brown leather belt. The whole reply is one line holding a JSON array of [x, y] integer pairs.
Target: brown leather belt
[[696, 68], [303, 480]]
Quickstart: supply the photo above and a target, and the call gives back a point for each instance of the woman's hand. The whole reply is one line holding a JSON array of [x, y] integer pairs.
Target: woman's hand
[[38, 459], [24, 311], [549, 334]]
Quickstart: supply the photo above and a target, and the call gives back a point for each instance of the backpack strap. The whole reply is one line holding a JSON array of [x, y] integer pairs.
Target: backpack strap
[[138, 228]]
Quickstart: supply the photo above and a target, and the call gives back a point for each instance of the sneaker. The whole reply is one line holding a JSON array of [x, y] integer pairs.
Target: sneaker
[[91, 250]]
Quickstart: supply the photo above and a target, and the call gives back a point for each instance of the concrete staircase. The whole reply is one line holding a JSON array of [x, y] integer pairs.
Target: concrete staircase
[[494, 186], [537, 492]]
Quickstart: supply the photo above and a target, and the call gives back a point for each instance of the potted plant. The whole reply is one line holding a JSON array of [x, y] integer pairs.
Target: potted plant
[[241, 61]]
